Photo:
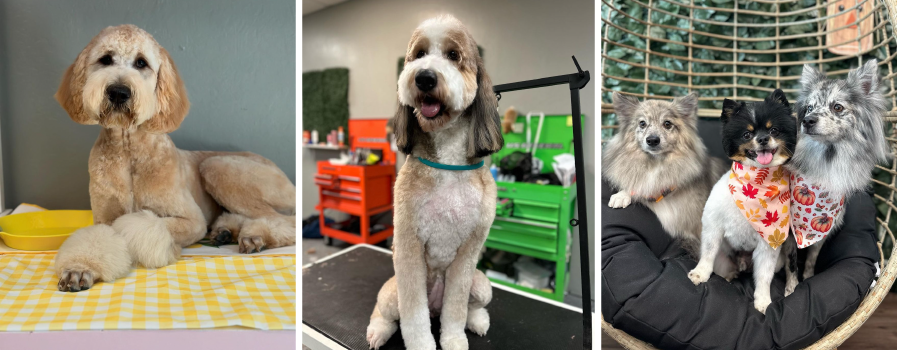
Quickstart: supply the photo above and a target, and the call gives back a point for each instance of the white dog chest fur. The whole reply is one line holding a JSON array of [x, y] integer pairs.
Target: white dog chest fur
[[447, 216]]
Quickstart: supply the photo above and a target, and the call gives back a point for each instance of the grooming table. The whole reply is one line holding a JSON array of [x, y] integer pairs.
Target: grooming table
[[339, 293]]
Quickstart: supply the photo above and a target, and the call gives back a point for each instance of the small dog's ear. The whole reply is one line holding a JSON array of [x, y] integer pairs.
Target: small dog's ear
[[778, 96], [624, 106], [172, 104], [866, 77], [69, 93], [485, 135], [810, 76], [729, 109], [406, 126], [686, 107]]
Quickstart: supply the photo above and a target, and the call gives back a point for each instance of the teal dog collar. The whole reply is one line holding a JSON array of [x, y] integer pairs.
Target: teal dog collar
[[452, 167]]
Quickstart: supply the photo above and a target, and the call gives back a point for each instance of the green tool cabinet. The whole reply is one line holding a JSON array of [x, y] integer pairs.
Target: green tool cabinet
[[538, 222]]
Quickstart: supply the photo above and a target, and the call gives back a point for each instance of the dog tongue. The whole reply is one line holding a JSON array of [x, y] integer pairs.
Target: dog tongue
[[764, 157], [429, 110]]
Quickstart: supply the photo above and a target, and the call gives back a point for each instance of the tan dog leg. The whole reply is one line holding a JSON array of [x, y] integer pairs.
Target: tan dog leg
[[458, 281], [94, 253], [480, 296], [253, 188], [383, 320], [411, 279]]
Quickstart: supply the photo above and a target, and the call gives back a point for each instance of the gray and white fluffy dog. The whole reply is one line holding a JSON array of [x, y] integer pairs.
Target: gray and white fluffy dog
[[658, 159], [841, 137]]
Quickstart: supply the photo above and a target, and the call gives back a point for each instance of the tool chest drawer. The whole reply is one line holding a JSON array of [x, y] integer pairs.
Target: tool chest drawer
[[542, 211]]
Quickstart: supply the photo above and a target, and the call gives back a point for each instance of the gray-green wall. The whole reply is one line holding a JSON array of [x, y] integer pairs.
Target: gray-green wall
[[237, 59]]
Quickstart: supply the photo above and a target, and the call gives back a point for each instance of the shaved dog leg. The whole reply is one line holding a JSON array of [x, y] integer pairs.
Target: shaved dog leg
[[458, 280], [260, 198], [385, 316], [480, 296], [411, 278]]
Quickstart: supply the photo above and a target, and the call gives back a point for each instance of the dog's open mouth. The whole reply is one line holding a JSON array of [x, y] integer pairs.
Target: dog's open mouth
[[763, 156], [431, 107]]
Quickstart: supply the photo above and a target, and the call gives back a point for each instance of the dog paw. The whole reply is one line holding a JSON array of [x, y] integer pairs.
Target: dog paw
[[453, 343], [221, 236], [808, 272], [251, 244], [789, 287], [478, 321], [619, 200], [76, 280], [697, 278], [379, 331], [761, 304]]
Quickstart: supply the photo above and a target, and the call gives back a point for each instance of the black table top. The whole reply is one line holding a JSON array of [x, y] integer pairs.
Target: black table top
[[339, 294]]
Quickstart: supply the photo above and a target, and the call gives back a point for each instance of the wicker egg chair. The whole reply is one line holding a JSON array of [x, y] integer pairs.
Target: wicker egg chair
[[659, 49]]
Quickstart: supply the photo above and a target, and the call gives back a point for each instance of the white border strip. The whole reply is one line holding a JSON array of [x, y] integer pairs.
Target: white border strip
[[316, 341], [496, 285]]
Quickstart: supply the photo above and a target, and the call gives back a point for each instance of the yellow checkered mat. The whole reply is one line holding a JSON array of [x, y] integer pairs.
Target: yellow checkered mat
[[197, 292]]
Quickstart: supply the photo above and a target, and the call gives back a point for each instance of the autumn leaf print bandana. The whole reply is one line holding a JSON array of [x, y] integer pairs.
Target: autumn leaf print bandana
[[814, 211], [762, 195]]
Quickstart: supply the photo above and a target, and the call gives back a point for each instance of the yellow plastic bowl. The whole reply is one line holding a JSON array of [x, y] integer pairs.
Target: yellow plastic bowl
[[42, 230]]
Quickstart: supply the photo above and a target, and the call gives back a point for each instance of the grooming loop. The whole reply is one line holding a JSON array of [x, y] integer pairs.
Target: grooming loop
[[669, 56]]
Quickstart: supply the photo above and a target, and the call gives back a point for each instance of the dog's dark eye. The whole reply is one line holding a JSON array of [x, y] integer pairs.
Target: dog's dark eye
[[420, 54], [838, 108], [140, 63], [453, 55], [774, 132], [667, 125], [106, 60], [642, 124], [747, 135], [809, 109]]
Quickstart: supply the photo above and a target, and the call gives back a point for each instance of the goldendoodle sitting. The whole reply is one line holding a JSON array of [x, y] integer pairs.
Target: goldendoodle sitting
[[149, 198]]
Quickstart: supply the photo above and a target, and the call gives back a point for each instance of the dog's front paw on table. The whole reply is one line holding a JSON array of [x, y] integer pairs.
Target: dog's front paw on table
[[251, 244], [453, 342], [619, 200], [76, 280]]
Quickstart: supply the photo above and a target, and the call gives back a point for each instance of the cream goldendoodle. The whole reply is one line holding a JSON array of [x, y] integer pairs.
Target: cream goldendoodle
[[149, 198]]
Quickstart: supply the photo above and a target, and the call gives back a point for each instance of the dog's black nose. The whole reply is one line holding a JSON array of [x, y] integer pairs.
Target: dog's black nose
[[809, 121], [425, 80], [763, 140], [652, 141], [118, 94]]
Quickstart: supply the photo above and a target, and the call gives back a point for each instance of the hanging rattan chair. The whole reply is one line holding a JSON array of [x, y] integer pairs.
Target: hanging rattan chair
[[659, 49]]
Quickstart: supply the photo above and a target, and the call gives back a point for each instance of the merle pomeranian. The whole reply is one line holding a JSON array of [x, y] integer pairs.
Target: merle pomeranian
[[657, 159], [841, 139], [760, 138]]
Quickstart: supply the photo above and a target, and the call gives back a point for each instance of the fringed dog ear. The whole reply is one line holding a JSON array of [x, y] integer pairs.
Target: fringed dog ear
[[866, 77], [624, 106], [406, 126], [172, 104], [729, 109], [778, 96], [485, 125], [686, 107], [70, 90]]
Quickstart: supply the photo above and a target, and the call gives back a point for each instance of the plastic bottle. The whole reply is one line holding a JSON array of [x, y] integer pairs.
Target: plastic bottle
[[314, 137], [341, 136]]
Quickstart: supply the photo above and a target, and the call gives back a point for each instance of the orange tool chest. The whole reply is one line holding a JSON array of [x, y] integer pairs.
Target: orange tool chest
[[360, 190]]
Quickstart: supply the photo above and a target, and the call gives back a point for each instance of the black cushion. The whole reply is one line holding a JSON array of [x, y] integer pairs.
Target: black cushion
[[647, 294]]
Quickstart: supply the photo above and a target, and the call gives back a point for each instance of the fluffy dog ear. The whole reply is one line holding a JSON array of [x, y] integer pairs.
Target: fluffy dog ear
[[172, 104], [778, 96], [624, 106], [810, 76], [405, 127], [729, 109], [687, 107], [69, 93], [485, 127], [866, 77]]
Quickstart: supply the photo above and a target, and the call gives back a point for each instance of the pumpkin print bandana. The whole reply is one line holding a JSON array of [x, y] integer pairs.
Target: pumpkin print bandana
[[762, 195], [814, 211]]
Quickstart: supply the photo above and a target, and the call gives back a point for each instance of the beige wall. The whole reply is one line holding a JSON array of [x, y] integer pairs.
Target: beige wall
[[521, 40]]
